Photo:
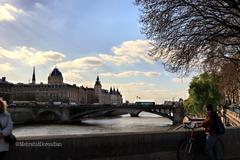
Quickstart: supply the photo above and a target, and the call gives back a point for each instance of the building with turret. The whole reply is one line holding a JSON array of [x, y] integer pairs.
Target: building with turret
[[106, 97], [58, 91]]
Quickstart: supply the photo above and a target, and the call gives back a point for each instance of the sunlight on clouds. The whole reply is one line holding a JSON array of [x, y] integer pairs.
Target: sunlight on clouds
[[131, 74], [72, 77], [6, 67], [137, 49], [7, 12], [118, 60], [129, 52], [31, 56], [82, 63]]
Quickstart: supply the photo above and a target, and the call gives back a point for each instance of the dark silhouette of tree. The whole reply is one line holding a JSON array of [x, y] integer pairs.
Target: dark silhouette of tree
[[190, 34]]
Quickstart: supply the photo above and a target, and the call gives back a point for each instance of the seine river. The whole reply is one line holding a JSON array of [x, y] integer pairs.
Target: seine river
[[125, 123]]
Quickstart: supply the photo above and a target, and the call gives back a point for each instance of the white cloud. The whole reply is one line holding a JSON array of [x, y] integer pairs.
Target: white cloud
[[131, 74], [8, 12], [118, 60], [6, 67], [181, 80], [72, 77], [136, 50], [129, 52], [31, 56], [82, 63]]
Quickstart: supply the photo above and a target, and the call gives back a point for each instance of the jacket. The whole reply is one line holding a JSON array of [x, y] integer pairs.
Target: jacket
[[209, 123], [7, 126]]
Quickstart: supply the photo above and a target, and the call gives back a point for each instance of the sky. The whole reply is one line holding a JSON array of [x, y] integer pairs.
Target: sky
[[84, 39]]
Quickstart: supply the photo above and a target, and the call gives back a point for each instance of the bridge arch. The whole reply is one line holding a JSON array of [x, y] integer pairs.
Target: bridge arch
[[96, 112], [163, 113], [48, 115]]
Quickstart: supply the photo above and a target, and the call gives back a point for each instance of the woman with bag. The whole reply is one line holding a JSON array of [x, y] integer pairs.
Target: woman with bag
[[6, 126]]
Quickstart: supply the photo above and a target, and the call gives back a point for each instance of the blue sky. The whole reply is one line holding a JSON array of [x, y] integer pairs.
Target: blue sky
[[83, 38]]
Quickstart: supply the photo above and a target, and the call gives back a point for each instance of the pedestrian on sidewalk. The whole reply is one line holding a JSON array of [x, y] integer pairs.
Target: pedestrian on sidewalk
[[6, 126]]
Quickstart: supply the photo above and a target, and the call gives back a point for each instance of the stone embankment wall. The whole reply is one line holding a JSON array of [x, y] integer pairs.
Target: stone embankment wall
[[119, 146]]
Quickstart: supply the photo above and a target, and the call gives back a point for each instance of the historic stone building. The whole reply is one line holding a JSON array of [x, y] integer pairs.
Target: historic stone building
[[58, 91], [107, 97]]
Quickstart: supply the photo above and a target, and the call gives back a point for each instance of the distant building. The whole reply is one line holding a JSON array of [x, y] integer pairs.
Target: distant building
[[58, 91], [6, 89], [107, 97]]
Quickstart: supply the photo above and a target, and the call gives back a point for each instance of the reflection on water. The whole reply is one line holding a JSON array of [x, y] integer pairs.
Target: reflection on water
[[125, 123]]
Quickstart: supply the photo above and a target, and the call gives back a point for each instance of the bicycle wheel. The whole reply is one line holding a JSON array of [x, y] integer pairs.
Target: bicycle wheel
[[184, 151], [219, 149]]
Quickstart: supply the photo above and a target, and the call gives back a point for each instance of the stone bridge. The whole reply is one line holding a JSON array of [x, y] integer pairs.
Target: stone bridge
[[74, 113]]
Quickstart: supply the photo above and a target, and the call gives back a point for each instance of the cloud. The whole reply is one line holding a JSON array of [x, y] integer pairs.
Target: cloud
[[181, 80], [131, 74], [31, 56], [6, 67], [136, 50], [8, 12], [72, 77], [82, 63], [118, 60], [129, 52]]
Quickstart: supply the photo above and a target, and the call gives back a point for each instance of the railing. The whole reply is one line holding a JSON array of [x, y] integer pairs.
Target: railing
[[233, 116]]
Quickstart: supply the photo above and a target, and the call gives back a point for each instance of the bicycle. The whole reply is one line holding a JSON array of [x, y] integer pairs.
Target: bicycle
[[193, 148]]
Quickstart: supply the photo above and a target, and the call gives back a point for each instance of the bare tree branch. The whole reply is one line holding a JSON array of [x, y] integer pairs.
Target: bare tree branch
[[191, 34]]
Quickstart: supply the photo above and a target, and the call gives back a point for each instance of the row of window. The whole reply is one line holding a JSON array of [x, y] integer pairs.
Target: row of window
[[5, 89]]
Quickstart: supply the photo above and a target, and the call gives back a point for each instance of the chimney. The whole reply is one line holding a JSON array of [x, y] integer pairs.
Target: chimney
[[3, 79]]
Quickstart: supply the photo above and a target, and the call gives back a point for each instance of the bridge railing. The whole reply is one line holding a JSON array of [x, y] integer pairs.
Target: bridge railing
[[232, 116]]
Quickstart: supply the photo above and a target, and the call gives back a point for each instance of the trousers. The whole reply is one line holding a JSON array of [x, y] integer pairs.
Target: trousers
[[210, 142]]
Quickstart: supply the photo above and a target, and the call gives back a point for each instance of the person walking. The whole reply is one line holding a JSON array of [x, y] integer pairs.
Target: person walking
[[6, 126]]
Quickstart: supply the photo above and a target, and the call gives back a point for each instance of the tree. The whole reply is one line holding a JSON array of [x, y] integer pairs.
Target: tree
[[189, 34], [230, 82], [203, 89]]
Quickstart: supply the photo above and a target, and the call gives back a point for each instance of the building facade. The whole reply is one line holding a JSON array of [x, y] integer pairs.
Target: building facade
[[58, 91], [107, 97]]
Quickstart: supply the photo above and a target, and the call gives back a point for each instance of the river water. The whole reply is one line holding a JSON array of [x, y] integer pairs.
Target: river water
[[124, 123]]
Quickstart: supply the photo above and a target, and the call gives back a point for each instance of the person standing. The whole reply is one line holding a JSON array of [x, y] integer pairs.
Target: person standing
[[210, 131], [6, 126]]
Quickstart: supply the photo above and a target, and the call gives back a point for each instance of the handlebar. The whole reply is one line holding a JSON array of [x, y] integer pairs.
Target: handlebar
[[191, 125]]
